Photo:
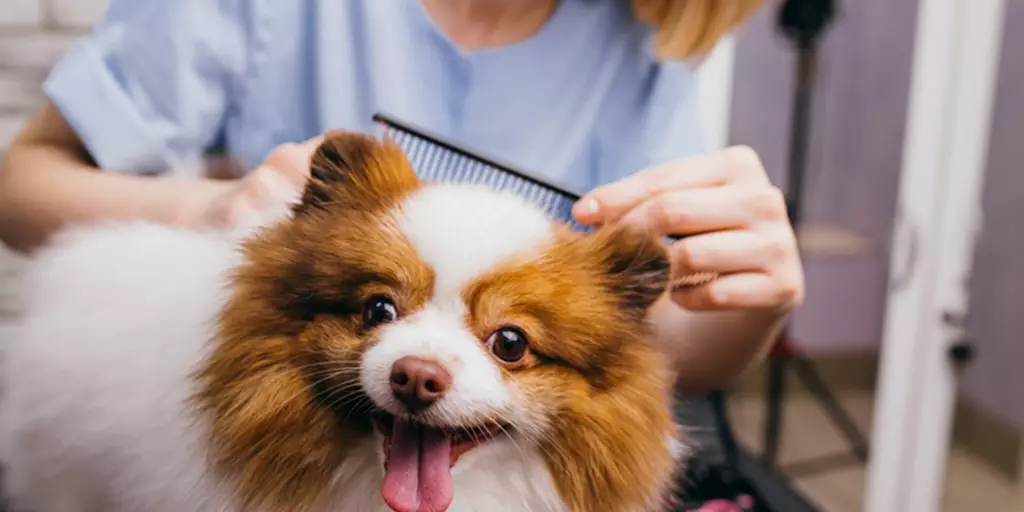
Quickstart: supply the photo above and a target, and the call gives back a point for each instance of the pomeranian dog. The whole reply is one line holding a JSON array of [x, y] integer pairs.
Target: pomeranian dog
[[386, 345]]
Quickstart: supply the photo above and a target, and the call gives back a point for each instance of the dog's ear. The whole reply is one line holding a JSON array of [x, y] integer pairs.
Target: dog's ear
[[354, 170], [635, 265]]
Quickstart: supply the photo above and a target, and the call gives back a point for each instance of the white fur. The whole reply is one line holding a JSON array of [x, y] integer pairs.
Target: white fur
[[434, 219], [478, 392], [461, 231], [500, 476], [116, 318], [96, 371]]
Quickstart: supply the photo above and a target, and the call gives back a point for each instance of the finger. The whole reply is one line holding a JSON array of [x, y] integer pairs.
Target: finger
[[685, 212], [739, 165], [293, 160], [270, 188], [313, 142], [304, 154], [729, 251], [228, 210], [749, 290]]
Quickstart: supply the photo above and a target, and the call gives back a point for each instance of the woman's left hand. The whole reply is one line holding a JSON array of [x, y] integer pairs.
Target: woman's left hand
[[736, 219]]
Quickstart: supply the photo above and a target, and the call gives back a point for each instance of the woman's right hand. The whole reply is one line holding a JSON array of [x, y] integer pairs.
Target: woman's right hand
[[271, 186]]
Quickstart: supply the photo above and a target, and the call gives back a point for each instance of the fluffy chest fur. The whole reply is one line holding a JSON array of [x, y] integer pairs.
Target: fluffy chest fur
[[389, 345]]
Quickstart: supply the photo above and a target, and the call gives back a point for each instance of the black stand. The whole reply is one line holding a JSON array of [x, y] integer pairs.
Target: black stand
[[803, 22]]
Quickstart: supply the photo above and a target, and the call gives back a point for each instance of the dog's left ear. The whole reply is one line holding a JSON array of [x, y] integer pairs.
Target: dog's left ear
[[354, 170], [636, 265]]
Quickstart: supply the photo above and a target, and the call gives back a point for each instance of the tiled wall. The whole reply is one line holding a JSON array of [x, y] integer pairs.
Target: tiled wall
[[33, 35]]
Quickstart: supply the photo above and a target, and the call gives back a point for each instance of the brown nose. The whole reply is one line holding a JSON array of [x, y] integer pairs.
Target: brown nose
[[419, 382]]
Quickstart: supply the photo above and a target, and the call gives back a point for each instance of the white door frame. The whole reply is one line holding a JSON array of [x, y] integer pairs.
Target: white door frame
[[956, 60]]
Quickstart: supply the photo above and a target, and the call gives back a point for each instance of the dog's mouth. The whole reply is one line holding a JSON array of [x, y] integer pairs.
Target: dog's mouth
[[418, 459]]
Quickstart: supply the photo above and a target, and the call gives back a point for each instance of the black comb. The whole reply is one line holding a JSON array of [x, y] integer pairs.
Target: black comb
[[438, 160], [435, 159]]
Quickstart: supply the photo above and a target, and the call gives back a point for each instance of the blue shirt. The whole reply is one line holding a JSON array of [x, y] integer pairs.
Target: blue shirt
[[582, 101]]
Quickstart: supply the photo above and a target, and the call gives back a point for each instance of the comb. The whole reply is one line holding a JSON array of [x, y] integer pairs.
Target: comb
[[436, 159]]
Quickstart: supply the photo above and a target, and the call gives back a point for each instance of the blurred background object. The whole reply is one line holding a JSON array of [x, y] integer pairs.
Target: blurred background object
[[855, 156], [805, 24]]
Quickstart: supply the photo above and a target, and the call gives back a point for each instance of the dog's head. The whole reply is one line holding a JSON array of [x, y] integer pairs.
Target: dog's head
[[439, 316]]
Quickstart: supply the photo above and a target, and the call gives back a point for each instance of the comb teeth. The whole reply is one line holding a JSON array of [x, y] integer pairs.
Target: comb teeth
[[440, 162]]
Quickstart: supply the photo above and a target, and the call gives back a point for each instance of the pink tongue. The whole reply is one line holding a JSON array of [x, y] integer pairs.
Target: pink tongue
[[418, 469]]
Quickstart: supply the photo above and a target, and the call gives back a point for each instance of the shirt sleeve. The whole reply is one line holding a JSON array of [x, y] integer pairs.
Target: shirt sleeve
[[149, 88]]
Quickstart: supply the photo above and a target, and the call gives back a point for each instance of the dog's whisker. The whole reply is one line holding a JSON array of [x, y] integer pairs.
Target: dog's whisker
[[329, 364], [340, 393], [310, 387], [362, 402], [497, 418], [332, 371]]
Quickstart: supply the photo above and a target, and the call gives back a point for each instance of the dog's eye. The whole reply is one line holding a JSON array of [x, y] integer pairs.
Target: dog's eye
[[379, 310], [508, 344]]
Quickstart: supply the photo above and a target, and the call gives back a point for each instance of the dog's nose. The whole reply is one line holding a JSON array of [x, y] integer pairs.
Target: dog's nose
[[419, 382]]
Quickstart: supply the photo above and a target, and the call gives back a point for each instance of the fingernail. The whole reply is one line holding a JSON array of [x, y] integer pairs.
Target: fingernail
[[718, 297], [588, 207]]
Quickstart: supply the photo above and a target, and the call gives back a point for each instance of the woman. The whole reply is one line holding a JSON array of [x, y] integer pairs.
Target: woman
[[597, 93]]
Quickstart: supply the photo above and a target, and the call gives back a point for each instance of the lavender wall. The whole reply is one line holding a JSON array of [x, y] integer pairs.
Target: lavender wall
[[996, 380], [856, 152]]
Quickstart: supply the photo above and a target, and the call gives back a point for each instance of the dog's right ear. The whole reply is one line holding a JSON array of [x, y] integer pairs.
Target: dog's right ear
[[354, 170], [635, 264]]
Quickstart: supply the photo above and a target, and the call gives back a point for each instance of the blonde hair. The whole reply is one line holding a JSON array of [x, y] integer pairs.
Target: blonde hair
[[691, 28]]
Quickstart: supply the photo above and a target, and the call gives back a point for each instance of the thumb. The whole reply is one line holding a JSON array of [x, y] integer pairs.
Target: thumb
[[304, 151], [313, 143], [292, 160], [270, 187]]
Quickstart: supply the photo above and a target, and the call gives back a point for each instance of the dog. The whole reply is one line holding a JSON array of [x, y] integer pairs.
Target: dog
[[388, 344]]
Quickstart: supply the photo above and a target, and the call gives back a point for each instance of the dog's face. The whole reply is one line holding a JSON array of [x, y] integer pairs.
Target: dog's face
[[438, 317]]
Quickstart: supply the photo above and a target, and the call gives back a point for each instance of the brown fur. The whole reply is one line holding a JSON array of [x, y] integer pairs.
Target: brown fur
[[288, 326], [357, 172], [281, 390], [601, 386]]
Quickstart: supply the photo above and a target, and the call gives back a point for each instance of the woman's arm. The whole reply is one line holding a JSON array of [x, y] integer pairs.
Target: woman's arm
[[47, 182], [150, 87], [713, 348]]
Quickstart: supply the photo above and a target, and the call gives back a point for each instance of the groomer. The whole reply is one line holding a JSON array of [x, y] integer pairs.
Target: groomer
[[599, 94]]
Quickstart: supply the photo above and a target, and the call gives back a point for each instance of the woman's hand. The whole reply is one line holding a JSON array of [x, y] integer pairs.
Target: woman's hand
[[272, 186], [737, 221]]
